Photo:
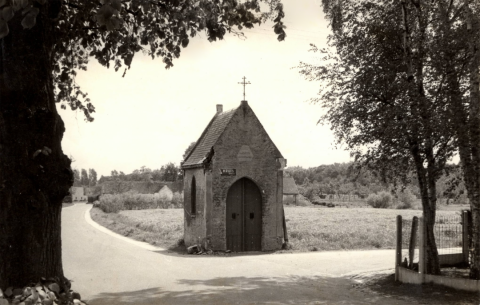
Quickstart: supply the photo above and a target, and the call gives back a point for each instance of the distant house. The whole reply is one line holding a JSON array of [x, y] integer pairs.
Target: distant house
[[165, 192], [78, 193], [290, 190]]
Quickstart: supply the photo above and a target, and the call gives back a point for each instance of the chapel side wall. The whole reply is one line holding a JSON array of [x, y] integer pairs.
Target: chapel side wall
[[245, 129], [194, 226]]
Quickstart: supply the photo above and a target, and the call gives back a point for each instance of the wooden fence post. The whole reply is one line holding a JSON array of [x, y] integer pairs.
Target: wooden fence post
[[398, 254], [421, 246], [413, 242], [465, 241]]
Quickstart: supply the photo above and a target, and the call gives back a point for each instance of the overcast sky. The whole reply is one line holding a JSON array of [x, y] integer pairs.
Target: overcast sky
[[149, 117]]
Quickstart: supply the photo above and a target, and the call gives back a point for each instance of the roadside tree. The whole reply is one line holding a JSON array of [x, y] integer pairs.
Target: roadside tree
[[84, 180], [385, 100], [188, 150], [43, 44], [92, 174]]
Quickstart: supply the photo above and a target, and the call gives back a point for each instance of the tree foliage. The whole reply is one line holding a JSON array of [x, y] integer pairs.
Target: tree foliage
[[188, 150], [84, 180], [387, 92], [92, 174], [403, 90], [43, 45], [113, 31]]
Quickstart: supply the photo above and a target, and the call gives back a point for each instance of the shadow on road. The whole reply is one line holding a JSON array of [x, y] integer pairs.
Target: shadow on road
[[384, 285], [291, 290], [258, 290]]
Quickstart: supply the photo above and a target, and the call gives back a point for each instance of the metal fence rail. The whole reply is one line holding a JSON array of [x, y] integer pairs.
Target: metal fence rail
[[448, 234]]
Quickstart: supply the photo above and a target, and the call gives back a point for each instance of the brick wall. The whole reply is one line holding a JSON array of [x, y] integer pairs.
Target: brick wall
[[245, 130], [194, 225]]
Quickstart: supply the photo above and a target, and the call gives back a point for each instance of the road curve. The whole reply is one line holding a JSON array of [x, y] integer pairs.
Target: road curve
[[108, 270]]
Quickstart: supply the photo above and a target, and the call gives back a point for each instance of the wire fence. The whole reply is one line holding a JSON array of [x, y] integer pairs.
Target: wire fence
[[448, 232], [449, 238]]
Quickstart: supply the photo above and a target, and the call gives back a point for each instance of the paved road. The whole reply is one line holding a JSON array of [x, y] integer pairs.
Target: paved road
[[109, 270]]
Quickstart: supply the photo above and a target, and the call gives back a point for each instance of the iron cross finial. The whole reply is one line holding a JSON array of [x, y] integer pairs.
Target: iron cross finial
[[244, 84]]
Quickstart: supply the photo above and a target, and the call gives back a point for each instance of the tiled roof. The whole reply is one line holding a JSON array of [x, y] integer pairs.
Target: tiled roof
[[208, 138], [289, 186]]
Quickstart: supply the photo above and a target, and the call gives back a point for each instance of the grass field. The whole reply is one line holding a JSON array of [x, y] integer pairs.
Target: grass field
[[321, 229], [309, 228], [159, 227]]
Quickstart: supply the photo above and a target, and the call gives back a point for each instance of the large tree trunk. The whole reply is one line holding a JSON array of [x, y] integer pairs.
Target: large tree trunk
[[469, 148], [427, 186], [35, 175], [419, 108]]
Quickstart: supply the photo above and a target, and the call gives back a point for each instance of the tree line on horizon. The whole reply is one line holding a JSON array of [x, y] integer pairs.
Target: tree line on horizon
[[346, 180], [169, 172]]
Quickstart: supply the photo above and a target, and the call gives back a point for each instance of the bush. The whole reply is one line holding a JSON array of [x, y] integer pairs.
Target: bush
[[177, 200], [382, 200], [110, 203], [134, 201], [301, 201], [92, 199], [406, 199]]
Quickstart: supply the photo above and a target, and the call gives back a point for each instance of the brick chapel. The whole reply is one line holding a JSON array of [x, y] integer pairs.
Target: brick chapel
[[233, 185]]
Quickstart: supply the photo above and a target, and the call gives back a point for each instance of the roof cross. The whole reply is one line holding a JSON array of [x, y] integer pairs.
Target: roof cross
[[244, 84]]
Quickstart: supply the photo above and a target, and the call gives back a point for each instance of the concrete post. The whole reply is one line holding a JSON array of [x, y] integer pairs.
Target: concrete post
[[465, 241], [279, 207], [398, 253], [413, 241], [208, 204], [421, 246]]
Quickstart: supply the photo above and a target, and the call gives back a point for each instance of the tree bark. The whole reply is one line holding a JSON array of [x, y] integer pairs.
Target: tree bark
[[469, 139], [35, 175], [427, 186], [426, 177]]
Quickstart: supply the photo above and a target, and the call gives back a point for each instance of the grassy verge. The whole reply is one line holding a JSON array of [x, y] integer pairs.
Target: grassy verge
[[309, 228], [159, 227]]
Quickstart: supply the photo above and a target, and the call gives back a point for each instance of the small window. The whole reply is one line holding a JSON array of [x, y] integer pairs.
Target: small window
[[193, 197]]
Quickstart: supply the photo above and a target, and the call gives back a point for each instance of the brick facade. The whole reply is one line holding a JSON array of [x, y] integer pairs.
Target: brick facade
[[241, 148]]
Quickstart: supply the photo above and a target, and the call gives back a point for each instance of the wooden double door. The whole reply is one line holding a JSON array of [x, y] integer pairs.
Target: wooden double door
[[244, 216]]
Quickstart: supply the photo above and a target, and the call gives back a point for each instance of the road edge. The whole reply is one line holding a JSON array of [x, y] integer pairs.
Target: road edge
[[137, 243]]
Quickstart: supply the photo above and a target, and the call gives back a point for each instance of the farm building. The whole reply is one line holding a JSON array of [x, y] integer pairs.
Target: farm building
[[233, 185], [164, 192], [78, 193], [290, 190]]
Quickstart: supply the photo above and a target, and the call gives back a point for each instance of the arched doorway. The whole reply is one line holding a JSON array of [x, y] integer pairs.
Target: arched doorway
[[244, 216]]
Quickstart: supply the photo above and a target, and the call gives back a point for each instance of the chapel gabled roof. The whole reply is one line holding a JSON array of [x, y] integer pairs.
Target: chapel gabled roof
[[203, 147], [208, 138]]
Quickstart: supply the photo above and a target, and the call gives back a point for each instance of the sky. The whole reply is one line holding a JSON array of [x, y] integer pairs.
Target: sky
[[149, 117]]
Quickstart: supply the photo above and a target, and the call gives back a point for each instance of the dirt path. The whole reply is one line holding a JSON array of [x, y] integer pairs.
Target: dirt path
[[109, 270]]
